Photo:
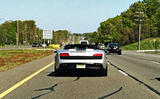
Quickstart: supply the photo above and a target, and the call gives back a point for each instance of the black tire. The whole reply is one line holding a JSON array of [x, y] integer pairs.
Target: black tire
[[120, 53], [56, 71], [105, 72]]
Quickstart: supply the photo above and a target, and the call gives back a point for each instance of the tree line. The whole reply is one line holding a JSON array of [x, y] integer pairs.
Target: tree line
[[124, 27], [28, 33]]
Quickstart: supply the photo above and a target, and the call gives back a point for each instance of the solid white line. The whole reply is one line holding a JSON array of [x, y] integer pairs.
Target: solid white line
[[123, 72], [23, 81], [155, 62]]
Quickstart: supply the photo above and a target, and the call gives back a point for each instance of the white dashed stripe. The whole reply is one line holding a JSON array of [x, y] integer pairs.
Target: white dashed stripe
[[123, 72]]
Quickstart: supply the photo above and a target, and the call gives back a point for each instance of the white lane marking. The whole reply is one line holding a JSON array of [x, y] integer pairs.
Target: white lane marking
[[155, 62], [123, 72]]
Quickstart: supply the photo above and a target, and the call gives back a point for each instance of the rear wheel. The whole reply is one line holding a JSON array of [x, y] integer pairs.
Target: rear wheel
[[56, 71], [119, 53], [105, 71]]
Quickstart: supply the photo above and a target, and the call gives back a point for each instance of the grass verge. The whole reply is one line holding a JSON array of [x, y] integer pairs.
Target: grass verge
[[153, 52], [13, 58], [147, 44]]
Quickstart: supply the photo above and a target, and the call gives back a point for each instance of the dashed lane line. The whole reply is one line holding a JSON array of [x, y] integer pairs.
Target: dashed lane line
[[139, 80], [23, 81], [155, 62], [123, 73]]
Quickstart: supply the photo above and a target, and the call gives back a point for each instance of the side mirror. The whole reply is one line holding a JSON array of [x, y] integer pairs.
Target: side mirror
[[55, 51]]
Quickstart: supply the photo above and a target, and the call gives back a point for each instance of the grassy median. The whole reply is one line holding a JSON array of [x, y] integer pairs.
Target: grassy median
[[13, 58]]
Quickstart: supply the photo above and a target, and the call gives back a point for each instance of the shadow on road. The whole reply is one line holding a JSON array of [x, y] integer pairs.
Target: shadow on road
[[50, 89], [158, 78], [108, 95], [78, 73]]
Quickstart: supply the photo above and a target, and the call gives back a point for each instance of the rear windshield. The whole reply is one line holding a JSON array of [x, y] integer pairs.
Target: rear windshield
[[81, 46], [114, 44], [83, 42]]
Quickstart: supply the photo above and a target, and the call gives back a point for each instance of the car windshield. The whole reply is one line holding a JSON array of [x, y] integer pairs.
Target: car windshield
[[81, 46], [83, 42], [100, 44], [114, 44]]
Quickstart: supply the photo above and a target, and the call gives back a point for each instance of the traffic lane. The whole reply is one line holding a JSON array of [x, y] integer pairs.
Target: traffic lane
[[130, 61], [13, 76], [143, 56], [81, 85], [143, 70]]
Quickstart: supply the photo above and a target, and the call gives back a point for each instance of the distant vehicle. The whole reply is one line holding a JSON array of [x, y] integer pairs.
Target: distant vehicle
[[44, 45], [114, 48], [80, 56], [54, 46], [101, 46], [84, 42], [36, 44]]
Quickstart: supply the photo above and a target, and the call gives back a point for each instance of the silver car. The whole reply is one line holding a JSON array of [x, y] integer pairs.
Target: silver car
[[80, 56]]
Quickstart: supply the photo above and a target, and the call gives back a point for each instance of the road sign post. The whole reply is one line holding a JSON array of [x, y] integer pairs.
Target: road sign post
[[47, 35]]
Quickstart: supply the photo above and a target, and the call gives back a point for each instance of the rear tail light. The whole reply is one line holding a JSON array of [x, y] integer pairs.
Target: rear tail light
[[64, 54], [97, 54]]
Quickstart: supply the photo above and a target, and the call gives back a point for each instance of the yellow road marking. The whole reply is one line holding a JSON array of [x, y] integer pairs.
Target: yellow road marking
[[23, 81]]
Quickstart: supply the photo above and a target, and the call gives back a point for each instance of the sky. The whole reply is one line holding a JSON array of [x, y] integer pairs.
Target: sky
[[76, 16]]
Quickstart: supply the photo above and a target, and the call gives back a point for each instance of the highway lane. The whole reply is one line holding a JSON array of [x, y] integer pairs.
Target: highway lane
[[78, 85], [142, 66]]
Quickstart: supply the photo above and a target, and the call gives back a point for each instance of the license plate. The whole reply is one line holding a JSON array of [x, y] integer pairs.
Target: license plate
[[80, 66]]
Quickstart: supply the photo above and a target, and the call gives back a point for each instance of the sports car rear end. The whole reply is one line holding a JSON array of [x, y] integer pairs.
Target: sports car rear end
[[80, 57]]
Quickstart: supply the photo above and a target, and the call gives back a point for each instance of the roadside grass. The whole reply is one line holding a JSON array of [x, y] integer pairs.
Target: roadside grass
[[147, 44], [153, 52], [13, 58], [1, 46]]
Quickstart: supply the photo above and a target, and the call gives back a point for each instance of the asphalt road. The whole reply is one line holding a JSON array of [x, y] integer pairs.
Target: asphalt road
[[84, 84], [141, 66]]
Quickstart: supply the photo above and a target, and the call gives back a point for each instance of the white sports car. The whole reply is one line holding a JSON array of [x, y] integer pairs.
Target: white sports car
[[80, 56]]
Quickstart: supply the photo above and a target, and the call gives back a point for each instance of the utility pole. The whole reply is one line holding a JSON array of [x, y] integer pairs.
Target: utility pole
[[17, 34], [36, 34], [140, 19], [139, 39], [122, 30], [111, 30], [25, 36]]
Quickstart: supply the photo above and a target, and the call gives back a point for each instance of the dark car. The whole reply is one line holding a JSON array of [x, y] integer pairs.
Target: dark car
[[36, 44], [114, 48]]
